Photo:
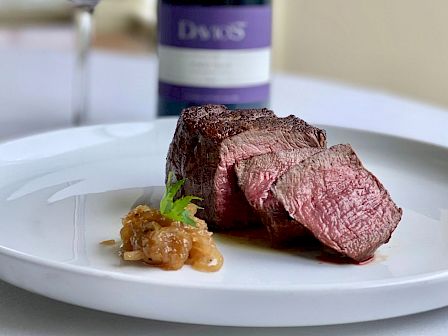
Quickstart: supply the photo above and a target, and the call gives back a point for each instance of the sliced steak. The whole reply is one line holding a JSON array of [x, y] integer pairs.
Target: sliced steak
[[210, 139], [255, 178], [340, 202]]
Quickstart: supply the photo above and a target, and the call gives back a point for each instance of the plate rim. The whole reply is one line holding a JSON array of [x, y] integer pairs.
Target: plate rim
[[15, 141]]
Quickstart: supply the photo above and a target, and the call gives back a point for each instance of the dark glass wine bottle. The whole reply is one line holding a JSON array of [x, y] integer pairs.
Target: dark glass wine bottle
[[213, 52]]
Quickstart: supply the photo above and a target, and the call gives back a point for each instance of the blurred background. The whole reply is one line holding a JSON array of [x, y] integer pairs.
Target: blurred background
[[398, 46], [395, 46]]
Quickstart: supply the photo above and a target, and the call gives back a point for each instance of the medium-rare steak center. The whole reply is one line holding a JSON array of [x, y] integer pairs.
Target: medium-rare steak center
[[256, 177], [340, 202]]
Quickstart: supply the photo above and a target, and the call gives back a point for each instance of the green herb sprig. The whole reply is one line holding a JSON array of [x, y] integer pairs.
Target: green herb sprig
[[175, 209]]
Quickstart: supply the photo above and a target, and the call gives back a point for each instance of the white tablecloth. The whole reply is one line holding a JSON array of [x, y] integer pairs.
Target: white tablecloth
[[35, 96]]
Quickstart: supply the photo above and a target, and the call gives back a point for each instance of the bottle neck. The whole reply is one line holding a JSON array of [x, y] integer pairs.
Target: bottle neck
[[216, 2]]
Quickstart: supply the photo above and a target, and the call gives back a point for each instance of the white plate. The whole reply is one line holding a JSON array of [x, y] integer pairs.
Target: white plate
[[62, 193]]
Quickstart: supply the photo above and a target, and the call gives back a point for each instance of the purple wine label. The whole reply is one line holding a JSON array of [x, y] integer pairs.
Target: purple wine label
[[203, 95], [214, 54], [215, 27]]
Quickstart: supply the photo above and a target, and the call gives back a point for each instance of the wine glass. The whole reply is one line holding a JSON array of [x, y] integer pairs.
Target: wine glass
[[83, 19]]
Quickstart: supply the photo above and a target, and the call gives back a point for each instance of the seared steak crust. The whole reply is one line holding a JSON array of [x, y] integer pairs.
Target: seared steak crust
[[210, 139]]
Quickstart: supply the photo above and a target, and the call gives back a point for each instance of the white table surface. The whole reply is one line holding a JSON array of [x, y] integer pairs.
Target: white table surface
[[35, 95]]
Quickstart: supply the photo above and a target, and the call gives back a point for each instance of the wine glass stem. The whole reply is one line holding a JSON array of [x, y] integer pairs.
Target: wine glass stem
[[83, 21]]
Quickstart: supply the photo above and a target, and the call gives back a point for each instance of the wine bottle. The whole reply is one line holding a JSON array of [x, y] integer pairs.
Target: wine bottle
[[213, 52]]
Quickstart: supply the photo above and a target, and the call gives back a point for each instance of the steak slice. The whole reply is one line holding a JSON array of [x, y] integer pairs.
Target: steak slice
[[256, 177], [340, 202], [210, 139]]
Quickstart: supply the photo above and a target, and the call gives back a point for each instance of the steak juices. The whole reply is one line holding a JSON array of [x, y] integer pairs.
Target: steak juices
[[252, 167]]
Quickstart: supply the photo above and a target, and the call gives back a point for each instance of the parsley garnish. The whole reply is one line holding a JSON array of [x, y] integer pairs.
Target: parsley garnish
[[175, 209]]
